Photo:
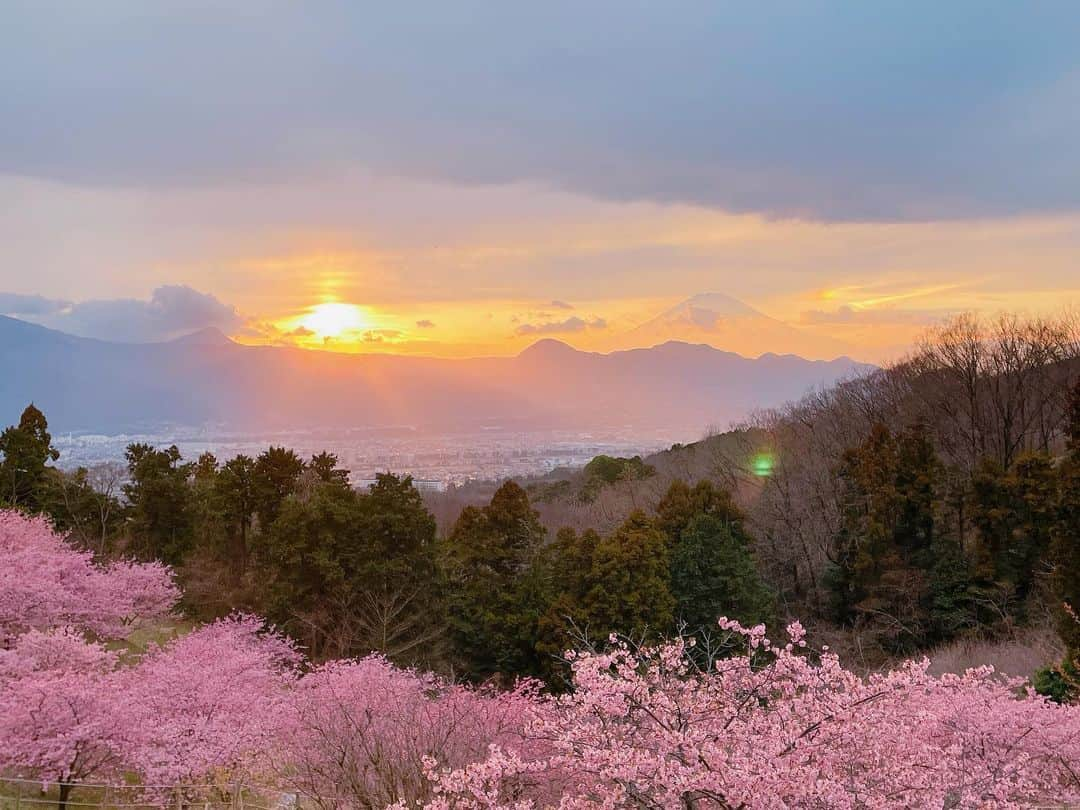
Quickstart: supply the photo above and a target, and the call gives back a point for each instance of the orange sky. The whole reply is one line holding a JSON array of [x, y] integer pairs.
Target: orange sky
[[465, 270]]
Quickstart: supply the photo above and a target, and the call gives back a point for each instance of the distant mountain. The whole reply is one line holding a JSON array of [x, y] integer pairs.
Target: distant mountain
[[205, 378], [726, 323]]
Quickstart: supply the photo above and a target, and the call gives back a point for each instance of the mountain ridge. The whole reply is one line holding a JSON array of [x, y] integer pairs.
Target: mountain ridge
[[86, 384]]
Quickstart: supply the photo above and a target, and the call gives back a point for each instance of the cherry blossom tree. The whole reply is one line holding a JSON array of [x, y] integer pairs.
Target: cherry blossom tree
[[209, 702], [46, 583], [360, 733], [63, 717], [779, 727]]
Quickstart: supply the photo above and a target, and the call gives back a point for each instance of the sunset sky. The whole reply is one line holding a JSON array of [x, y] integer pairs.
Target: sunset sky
[[464, 178]]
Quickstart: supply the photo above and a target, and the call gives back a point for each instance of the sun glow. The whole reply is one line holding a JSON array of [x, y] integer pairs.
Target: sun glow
[[332, 320]]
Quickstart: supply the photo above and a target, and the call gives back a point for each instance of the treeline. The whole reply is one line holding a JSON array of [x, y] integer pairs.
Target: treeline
[[347, 572], [933, 498]]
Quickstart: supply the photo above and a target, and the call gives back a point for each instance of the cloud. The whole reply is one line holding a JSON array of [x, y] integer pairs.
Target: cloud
[[16, 304], [557, 304], [425, 324], [300, 332], [171, 311], [571, 324], [850, 315], [381, 335], [833, 111]]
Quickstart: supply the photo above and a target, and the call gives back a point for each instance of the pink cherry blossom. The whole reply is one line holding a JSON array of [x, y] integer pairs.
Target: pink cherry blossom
[[62, 717], [46, 583], [780, 728], [208, 702], [365, 733]]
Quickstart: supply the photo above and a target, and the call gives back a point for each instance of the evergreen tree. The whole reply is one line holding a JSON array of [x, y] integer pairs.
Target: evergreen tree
[[713, 574], [1014, 513], [488, 561], [564, 572], [159, 503], [276, 473], [325, 468], [629, 590], [398, 604], [1065, 557], [888, 574], [27, 450], [236, 497]]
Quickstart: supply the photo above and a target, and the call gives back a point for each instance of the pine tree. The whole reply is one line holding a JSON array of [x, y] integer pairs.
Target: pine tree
[[27, 450], [629, 591], [488, 562]]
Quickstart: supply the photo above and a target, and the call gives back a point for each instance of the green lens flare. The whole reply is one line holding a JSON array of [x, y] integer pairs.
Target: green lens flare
[[762, 464]]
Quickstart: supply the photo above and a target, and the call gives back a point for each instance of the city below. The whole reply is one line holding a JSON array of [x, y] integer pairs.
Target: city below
[[434, 461]]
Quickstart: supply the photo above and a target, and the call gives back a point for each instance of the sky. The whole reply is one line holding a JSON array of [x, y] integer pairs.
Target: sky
[[465, 178]]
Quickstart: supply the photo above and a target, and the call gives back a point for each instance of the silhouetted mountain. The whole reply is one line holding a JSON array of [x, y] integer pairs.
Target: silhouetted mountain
[[723, 322], [84, 384]]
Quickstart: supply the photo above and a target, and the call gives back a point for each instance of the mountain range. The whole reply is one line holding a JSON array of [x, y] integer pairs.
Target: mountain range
[[205, 378]]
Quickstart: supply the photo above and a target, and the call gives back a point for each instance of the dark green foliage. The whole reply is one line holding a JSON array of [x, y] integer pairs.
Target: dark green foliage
[[609, 469], [276, 473], [713, 574], [564, 575], [350, 573], [1013, 512], [606, 470], [895, 573], [488, 563], [1065, 547], [682, 503], [628, 589], [325, 468], [235, 497], [1059, 683], [27, 450], [159, 503]]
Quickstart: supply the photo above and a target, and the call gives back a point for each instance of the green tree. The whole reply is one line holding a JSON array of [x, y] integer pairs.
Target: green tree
[[488, 562], [235, 495], [276, 473], [1063, 683], [564, 572], [629, 590], [159, 502], [325, 468], [398, 605], [1014, 513], [887, 575], [27, 450], [351, 573], [713, 574], [303, 582]]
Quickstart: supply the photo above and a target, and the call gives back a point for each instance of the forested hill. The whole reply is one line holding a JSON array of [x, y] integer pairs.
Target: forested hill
[[208, 379]]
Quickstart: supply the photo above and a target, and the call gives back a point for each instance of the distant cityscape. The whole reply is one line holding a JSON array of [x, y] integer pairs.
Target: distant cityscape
[[434, 461]]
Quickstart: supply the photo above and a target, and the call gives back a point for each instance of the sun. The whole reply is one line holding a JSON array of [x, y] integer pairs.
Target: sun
[[334, 319]]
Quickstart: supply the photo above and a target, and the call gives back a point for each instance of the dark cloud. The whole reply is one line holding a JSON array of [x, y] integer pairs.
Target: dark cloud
[[171, 311], [846, 314], [300, 331], [571, 324], [834, 110], [557, 304], [425, 324], [16, 304]]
